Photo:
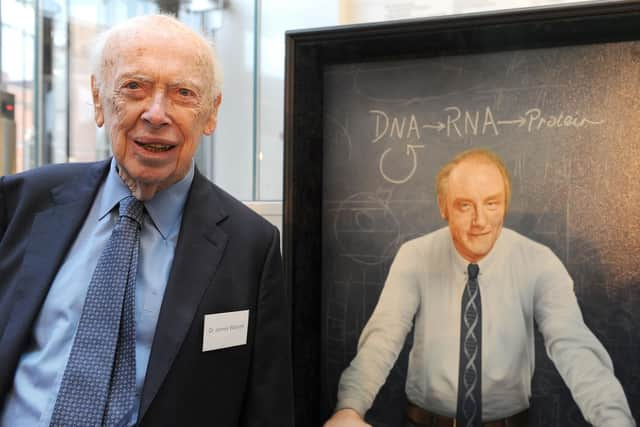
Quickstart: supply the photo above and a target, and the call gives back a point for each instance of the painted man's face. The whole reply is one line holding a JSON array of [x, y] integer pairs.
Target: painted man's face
[[474, 206]]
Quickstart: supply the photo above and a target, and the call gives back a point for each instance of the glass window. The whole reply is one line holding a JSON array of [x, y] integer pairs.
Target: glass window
[[17, 38], [276, 17], [227, 157]]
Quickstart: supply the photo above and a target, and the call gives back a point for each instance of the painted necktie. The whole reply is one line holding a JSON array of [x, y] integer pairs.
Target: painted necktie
[[98, 384], [469, 409]]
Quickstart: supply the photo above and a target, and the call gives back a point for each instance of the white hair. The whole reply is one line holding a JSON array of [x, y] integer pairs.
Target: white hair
[[99, 56]]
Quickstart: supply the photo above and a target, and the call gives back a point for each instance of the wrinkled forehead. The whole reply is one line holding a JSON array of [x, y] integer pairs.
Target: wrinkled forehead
[[136, 42]]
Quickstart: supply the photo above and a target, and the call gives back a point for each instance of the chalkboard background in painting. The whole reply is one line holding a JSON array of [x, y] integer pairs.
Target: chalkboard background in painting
[[565, 122]]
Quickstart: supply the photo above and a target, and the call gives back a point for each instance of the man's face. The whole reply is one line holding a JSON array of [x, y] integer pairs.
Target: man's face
[[474, 206], [156, 103]]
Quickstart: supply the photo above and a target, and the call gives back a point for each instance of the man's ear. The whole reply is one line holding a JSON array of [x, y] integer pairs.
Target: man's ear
[[98, 111], [212, 121], [442, 205]]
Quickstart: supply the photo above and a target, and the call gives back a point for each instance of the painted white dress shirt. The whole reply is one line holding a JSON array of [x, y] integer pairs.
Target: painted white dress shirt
[[519, 280]]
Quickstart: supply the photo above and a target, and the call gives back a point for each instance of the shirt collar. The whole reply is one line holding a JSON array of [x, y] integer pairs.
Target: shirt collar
[[165, 209]]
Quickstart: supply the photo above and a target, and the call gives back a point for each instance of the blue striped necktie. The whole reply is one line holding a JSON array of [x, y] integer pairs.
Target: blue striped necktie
[[98, 384], [469, 409]]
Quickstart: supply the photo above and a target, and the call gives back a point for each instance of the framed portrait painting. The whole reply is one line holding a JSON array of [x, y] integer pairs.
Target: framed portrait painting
[[374, 111]]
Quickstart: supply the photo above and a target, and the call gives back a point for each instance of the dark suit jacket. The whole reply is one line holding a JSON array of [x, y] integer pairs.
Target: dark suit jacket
[[227, 258]]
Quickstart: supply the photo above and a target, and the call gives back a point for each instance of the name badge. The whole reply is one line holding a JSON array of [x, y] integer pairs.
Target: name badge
[[222, 330]]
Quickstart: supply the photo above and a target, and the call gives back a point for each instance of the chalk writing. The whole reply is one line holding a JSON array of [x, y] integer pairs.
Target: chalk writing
[[397, 128], [471, 121], [537, 121], [460, 123]]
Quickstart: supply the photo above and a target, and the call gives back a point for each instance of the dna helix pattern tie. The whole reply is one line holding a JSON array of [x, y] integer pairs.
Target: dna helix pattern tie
[[469, 409]]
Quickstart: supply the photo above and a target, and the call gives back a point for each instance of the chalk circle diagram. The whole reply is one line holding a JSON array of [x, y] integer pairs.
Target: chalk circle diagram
[[366, 229]]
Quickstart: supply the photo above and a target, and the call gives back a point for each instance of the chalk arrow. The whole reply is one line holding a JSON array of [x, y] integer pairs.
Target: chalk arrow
[[411, 150], [439, 127], [520, 122]]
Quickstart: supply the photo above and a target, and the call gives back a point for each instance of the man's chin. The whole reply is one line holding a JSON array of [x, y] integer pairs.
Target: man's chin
[[477, 251], [481, 251], [156, 176]]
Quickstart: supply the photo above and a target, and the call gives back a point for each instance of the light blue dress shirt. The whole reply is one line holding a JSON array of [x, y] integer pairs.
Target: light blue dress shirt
[[40, 370]]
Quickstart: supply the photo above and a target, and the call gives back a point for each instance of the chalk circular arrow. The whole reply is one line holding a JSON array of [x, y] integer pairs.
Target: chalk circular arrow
[[410, 149]]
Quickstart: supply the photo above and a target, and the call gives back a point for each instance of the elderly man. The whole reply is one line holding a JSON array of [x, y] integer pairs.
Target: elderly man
[[472, 291], [133, 291]]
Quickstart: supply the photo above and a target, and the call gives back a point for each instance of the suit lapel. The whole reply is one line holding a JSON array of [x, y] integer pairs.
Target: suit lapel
[[198, 252], [52, 233]]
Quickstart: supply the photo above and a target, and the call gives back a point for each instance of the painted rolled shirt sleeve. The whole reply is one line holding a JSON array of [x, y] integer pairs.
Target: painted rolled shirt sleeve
[[581, 360], [382, 338]]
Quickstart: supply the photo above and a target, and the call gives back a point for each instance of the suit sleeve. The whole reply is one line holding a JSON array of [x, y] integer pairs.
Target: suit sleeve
[[270, 389]]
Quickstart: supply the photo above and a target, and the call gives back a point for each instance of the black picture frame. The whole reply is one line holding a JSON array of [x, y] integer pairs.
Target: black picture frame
[[309, 52]]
